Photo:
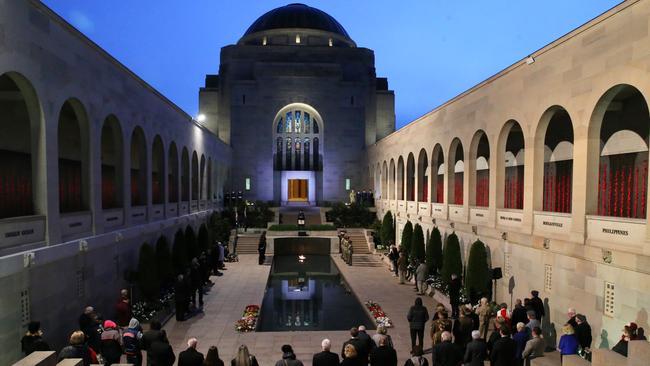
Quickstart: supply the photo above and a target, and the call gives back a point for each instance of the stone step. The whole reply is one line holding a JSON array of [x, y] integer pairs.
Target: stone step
[[638, 353], [549, 359]]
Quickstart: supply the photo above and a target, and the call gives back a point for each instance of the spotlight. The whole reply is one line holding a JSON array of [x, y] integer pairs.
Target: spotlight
[[302, 257], [200, 117]]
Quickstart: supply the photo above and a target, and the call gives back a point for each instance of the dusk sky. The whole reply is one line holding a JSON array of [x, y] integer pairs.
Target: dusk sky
[[430, 50]]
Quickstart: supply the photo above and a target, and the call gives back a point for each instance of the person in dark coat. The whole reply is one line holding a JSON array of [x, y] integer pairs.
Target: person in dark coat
[[383, 355], [358, 348], [89, 325], [154, 334], [537, 304], [351, 356], [417, 318], [583, 332], [446, 353], [160, 354], [503, 351], [181, 294], [520, 338], [325, 358], [212, 358], [417, 358], [366, 341], [518, 315], [33, 339], [463, 328], [476, 350], [78, 349], [196, 281], [191, 357], [495, 335], [454, 295], [123, 309], [288, 357], [261, 248]]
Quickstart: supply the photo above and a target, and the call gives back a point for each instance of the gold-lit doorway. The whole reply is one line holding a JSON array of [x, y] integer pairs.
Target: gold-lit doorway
[[298, 189]]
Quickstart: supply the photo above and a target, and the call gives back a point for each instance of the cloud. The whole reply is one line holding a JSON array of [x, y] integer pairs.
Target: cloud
[[81, 21]]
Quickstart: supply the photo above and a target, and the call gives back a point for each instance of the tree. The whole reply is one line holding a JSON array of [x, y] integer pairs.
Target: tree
[[179, 253], [220, 228], [164, 261], [451, 260], [407, 235], [204, 239], [387, 229], [477, 271], [417, 247], [434, 251], [147, 274]]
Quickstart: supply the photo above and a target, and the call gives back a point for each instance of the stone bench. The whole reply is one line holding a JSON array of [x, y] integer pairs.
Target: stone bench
[[575, 360], [39, 358], [638, 353], [605, 357], [71, 362], [549, 359]]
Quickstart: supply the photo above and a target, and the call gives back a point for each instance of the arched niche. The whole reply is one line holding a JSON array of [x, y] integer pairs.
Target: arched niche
[[172, 173], [512, 143], [157, 171], [112, 157], [456, 172], [400, 178], [480, 180], [138, 168], [185, 175], [423, 176], [410, 177], [74, 182], [438, 169]]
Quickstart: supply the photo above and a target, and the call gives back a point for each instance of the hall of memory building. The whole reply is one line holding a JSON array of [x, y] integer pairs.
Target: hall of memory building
[[545, 162]]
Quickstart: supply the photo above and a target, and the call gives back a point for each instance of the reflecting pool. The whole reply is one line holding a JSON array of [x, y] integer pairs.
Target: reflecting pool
[[308, 293]]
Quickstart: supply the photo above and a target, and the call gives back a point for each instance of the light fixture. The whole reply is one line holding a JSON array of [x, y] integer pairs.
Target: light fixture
[[297, 38], [302, 257], [200, 117], [530, 60], [264, 41]]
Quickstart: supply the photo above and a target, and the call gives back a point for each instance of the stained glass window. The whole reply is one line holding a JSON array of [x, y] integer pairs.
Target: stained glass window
[[280, 125], [298, 128], [307, 122], [298, 153], [288, 162], [289, 122], [306, 149], [315, 125]]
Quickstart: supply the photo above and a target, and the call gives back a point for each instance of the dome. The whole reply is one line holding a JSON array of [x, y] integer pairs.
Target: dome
[[297, 16]]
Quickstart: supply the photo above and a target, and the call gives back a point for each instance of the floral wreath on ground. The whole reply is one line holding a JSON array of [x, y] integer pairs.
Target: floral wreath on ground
[[380, 316], [248, 320]]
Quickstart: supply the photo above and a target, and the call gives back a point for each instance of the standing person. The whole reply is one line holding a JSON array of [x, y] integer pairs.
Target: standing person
[[571, 314], [33, 339], [462, 328], [196, 282], [111, 346], [326, 357], [476, 351], [484, 313], [350, 356], [90, 326], [367, 342], [537, 304], [212, 357], [454, 295], [356, 343], [446, 353], [244, 358], [132, 341], [154, 334], [417, 358], [520, 338], [123, 309], [382, 332], [496, 335], [568, 344], [190, 357], [421, 273], [393, 255], [532, 321], [222, 256], [535, 346], [402, 265], [288, 357], [161, 354], [417, 318], [518, 314], [503, 352], [583, 333], [261, 248], [181, 294], [383, 355], [78, 349]]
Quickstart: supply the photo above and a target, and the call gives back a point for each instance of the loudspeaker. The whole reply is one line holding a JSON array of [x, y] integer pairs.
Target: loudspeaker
[[496, 273]]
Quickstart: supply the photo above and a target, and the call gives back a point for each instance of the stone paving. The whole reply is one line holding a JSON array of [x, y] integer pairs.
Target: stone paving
[[244, 283]]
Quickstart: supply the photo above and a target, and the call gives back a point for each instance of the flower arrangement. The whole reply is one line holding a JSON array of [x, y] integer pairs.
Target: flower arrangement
[[380, 316], [147, 310], [248, 320]]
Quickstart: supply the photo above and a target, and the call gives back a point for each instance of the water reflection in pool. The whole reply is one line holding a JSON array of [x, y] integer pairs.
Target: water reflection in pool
[[307, 293]]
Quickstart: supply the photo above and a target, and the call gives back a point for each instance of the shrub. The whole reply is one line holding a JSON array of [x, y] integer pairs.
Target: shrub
[[179, 253], [477, 271], [220, 226], [451, 263], [407, 235], [191, 244], [387, 233], [417, 247], [353, 215], [294, 227], [147, 275], [204, 239], [164, 261], [434, 251]]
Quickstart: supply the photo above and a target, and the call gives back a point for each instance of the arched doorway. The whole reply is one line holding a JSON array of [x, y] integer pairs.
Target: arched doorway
[[480, 152], [73, 158]]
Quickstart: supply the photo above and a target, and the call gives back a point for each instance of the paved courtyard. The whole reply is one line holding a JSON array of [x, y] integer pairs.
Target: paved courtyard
[[244, 282]]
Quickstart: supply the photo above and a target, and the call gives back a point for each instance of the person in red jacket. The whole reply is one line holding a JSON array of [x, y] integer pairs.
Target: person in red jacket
[[123, 309]]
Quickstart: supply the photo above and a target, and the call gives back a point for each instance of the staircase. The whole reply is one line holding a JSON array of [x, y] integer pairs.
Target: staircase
[[359, 241], [366, 260], [247, 243]]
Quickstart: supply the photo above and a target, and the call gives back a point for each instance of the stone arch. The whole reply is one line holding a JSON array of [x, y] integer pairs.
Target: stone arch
[[511, 152], [400, 178], [393, 180], [185, 175], [112, 159], [410, 177], [157, 171], [479, 170], [172, 173], [138, 167], [456, 172], [73, 157], [437, 174], [423, 176], [194, 171]]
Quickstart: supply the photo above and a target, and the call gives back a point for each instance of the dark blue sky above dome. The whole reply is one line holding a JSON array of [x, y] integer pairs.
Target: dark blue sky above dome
[[430, 50]]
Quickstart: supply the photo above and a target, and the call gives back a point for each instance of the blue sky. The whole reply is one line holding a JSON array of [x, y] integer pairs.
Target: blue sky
[[430, 50]]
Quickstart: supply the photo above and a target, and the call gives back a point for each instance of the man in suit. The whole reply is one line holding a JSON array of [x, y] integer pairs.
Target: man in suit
[[383, 355], [476, 351], [503, 351], [190, 357], [365, 339], [358, 345], [446, 353], [325, 358], [534, 347]]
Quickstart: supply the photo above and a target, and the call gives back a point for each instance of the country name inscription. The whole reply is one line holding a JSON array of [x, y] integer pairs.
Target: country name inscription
[[615, 232]]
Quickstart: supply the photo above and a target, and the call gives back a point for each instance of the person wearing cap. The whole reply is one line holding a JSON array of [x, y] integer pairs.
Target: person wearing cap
[[33, 339], [111, 343], [288, 357]]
